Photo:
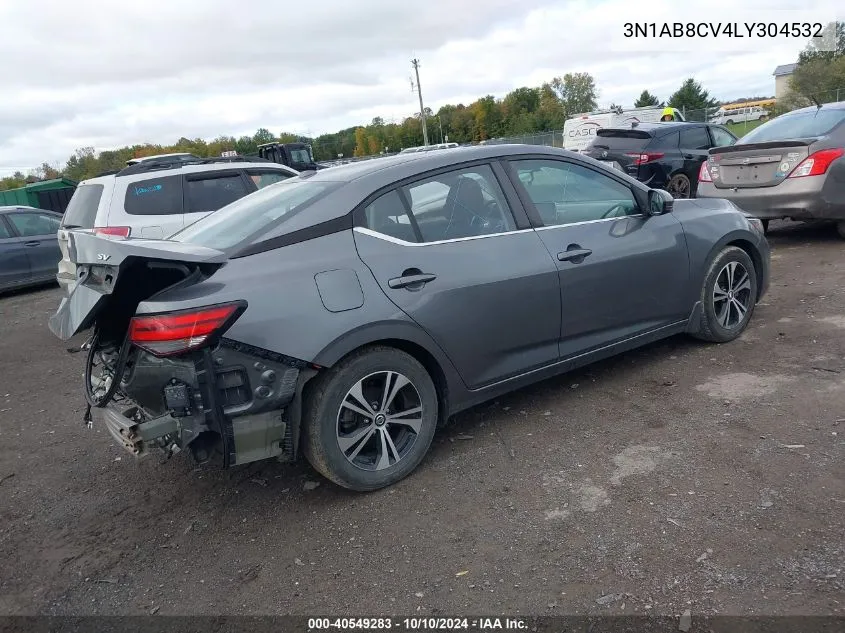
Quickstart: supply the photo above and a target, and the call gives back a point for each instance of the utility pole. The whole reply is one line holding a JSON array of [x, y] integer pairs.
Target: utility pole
[[416, 64]]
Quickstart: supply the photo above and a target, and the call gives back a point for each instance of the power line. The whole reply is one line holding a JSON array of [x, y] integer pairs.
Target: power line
[[416, 64]]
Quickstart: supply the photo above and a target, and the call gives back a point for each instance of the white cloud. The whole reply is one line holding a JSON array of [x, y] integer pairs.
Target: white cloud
[[107, 74]]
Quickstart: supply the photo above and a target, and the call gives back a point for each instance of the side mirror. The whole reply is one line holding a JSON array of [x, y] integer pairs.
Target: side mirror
[[659, 202]]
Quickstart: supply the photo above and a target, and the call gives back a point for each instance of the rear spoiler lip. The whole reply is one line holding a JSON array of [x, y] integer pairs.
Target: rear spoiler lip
[[796, 142]]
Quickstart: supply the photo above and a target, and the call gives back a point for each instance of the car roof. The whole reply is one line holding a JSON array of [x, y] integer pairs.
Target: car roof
[[23, 208], [836, 105], [390, 168], [173, 169]]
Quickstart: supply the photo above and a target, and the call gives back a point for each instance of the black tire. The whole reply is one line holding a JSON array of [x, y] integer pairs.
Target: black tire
[[681, 185], [322, 425], [840, 228], [714, 327], [729, 122]]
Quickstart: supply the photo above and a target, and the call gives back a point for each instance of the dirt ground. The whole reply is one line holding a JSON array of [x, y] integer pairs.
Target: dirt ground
[[680, 476]]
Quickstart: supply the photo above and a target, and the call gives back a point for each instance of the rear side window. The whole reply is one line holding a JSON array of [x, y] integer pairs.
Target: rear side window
[[211, 193], [667, 141], [694, 138], [155, 196], [621, 139], [81, 211], [796, 125]]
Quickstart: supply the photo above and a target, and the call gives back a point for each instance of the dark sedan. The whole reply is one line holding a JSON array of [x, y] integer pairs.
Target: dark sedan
[[343, 314], [661, 155], [29, 249]]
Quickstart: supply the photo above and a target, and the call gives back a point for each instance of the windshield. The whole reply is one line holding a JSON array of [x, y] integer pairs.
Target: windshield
[[795, 125], [301, 156], [254, 214]]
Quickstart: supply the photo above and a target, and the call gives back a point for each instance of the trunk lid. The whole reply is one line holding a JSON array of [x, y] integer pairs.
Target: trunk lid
[[113, 276], [750, 165]]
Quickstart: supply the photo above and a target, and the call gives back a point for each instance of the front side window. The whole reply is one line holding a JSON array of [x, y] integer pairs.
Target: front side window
[[154, 196], [566, 193], [211, 193], [722, 137], [32, 224], [459, 204], [4, 231]]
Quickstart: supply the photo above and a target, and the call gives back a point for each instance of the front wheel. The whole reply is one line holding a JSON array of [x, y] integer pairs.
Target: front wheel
[[728, 295], [369, 420]]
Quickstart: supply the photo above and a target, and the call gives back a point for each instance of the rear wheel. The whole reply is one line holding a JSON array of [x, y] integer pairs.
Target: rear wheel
[[728, 295], [370, 419], [679, 186]]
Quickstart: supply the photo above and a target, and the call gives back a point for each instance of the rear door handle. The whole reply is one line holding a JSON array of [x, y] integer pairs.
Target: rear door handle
[[406, 281], [574, 254], [33, 243]]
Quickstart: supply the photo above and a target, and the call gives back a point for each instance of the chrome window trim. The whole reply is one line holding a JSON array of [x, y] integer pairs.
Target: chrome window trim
[[560, 226], [396, 240]]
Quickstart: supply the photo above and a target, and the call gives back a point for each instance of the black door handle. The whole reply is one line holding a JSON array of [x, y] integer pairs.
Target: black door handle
[[575, 255], [407, 281], [33, 243]]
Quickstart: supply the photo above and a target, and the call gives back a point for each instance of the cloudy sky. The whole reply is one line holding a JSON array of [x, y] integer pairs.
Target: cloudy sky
[[104, 73]]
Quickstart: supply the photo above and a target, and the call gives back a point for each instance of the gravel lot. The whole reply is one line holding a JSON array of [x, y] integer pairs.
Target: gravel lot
[[680, 476]]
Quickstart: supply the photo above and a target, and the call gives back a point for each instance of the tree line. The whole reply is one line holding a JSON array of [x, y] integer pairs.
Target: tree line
[[525, 110]]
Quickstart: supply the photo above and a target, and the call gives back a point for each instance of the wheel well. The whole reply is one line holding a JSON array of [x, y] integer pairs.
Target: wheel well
[[427, 360], [755, 258]]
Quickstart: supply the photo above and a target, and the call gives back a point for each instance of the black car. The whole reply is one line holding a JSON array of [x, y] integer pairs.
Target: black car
[[661, 155]]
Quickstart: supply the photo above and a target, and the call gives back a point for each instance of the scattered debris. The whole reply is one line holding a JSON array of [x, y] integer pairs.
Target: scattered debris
[[462, 573], [793, 446], [5, 477], [686, 621], [298, 561], [258, 480], [310, 485], [154, 610], [674, 522], [462, 436], [110, 581], [190, 527], [547, 413], [609, 598], [419, 594], [701, 558]]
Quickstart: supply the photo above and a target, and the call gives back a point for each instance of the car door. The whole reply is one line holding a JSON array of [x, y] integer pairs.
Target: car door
[[206, 192], [694, 143], [622, 273], [453, 254], [14, 264], [38, 231]]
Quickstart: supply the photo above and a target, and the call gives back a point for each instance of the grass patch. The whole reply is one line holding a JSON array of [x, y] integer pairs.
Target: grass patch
[[741, 129]]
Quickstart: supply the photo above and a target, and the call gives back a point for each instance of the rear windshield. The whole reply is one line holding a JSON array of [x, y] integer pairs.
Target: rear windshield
[[621, 139], [795, 125], [81, 211], [253, 215]]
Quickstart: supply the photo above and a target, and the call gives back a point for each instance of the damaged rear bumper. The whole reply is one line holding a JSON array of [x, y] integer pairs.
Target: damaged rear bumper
[[237, 401]]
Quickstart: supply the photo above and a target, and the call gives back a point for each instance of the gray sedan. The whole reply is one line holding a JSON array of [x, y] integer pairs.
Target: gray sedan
[[343, 314], [791, 167], [29, 249]]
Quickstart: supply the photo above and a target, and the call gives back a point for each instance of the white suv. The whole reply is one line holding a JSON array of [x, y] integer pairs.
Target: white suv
[[154, 199]]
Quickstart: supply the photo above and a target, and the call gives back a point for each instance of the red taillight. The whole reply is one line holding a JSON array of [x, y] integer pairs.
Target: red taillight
[[704, 173], [177, 332], [816, 163], [647, 157], [112, 231]]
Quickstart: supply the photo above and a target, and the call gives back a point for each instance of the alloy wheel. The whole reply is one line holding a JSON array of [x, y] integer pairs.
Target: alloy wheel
[[732, 295], [379, 420], [679, 186]]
